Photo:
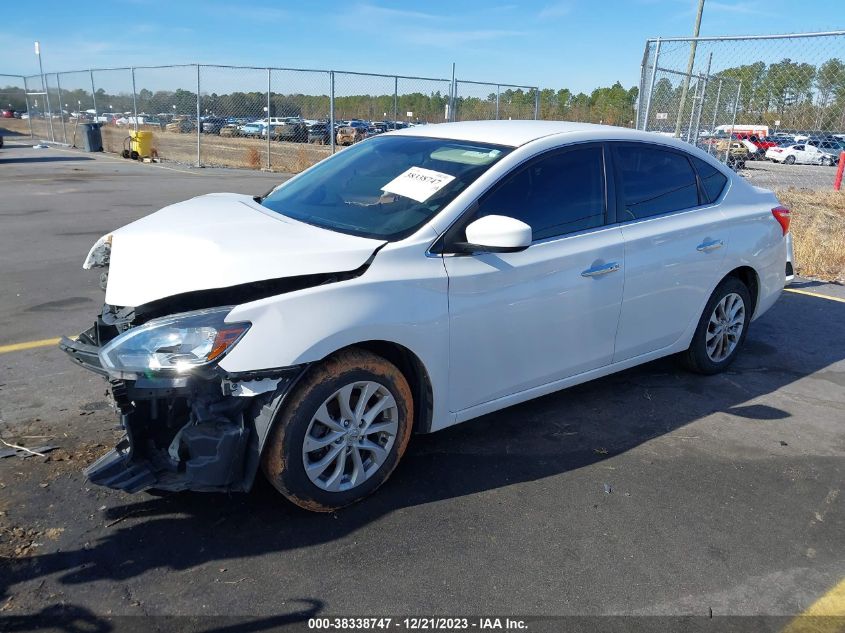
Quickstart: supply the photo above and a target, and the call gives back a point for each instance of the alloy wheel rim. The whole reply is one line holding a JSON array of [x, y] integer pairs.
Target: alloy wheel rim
[[350, 436], [724, 329]]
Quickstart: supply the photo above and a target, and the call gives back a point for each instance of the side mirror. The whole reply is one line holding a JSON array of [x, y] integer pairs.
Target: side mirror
[[496, 234]]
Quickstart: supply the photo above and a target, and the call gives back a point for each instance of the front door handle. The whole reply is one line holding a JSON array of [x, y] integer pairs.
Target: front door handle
[[597, 271], [710, 245]]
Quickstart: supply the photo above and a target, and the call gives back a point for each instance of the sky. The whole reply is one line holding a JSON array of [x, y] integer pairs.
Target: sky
[[575, 44]]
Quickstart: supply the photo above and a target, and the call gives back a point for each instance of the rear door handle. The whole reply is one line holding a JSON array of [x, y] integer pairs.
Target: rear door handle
[[711, 245], [597, 271]]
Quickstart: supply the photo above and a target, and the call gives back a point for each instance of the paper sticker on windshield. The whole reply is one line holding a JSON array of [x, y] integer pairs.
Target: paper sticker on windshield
[[418, 184]]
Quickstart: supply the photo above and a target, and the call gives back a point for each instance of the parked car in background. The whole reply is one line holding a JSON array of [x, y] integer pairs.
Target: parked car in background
[[152, 122], [8, 114], [230, 129], [760, 142], [737, 153], [292, 130], [254, 129], [180, 125], [832, 150], [351, 132], [319, 133], [212, 125], [802, 154]]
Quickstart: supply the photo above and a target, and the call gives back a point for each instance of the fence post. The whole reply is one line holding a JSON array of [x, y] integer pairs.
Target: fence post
[[199, 119], [134, 100], [701, 100], [28, 110], [692, 107], [93, 93], [61, 111], [395, 101], [331, 109], [643, 70], [269, 90], [45, 86], [536, 103], [498, 91], [453, 97], [716, 107], [651, 85], [733, 120]]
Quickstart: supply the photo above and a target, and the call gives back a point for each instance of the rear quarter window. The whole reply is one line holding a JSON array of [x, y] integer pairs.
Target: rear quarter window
[[712, 180]]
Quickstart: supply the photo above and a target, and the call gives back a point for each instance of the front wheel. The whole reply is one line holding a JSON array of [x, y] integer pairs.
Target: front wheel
[[341, 432], [721, 329]]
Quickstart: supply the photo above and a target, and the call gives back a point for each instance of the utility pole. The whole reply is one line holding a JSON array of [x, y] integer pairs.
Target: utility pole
[[690, 64]]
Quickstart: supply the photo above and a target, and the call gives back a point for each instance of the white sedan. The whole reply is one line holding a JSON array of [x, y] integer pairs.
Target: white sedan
[[802, 154], [416, 280]]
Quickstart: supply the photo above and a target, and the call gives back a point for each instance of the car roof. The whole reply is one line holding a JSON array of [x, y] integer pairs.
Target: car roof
[[516, 133]]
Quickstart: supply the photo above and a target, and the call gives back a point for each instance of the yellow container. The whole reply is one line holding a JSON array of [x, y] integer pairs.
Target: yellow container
[[141, 142]]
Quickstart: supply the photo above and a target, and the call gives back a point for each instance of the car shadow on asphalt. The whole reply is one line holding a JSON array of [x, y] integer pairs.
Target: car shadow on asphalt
[[75, 619], [550, 436]]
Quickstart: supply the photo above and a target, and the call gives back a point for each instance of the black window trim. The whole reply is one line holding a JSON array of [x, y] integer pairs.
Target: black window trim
[[617, 176], [454, 232]]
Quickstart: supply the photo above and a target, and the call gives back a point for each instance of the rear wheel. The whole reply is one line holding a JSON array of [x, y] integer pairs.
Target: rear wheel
[[789, 160], [341, 432], [721, 329]]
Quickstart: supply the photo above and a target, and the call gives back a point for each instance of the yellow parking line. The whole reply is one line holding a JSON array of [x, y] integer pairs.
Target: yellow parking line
[[825, 615], [814, 294], [17, 347]]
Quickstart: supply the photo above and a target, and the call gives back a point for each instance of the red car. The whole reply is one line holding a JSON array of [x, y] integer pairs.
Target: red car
[[762, 144], [8, 114]]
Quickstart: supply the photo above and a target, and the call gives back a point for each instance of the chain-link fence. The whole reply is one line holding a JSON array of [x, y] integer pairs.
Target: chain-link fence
[[475, 100], [772, 106], [259, 118]]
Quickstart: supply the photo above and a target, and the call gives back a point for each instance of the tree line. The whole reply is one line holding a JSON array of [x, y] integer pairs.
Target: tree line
[[798, 94], [613, 105]]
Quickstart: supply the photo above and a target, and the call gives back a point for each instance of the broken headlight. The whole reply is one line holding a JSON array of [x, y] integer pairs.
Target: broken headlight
[[99, 255], [174, 344]]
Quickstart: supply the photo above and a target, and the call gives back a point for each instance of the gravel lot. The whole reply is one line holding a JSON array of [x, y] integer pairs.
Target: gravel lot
[[651, 492]]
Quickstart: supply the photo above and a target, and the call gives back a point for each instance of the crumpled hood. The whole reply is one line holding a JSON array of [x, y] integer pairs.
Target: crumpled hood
[[217, 241]]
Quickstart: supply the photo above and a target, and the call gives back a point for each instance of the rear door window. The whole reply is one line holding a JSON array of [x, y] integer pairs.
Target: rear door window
[[654, 180]]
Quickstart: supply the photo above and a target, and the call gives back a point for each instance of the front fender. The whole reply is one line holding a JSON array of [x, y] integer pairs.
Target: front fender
[[402, 298]]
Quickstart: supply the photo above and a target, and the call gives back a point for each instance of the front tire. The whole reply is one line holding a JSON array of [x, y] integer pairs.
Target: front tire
[[721, 329], [341, 432]]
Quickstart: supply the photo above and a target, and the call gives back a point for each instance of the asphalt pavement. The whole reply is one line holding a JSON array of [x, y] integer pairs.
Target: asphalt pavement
[[650, 492]]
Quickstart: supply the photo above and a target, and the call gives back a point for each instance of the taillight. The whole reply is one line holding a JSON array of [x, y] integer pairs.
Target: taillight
[[782, 215]]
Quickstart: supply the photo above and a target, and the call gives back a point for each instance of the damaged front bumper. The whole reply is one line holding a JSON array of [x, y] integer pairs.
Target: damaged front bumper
[[203, 431]]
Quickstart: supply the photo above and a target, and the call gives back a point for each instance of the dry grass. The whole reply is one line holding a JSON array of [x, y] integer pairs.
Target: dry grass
[[217, 151], [253, 158], [818, 231]]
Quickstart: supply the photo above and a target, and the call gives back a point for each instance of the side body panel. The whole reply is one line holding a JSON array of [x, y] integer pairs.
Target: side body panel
[[667, 279], [520, 320]]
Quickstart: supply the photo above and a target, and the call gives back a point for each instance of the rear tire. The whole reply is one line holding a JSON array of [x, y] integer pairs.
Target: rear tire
[[789, 160], [328, 448], [721, 329]]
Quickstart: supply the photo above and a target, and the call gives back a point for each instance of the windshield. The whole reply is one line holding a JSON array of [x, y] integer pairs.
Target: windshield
[[386, 187]]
